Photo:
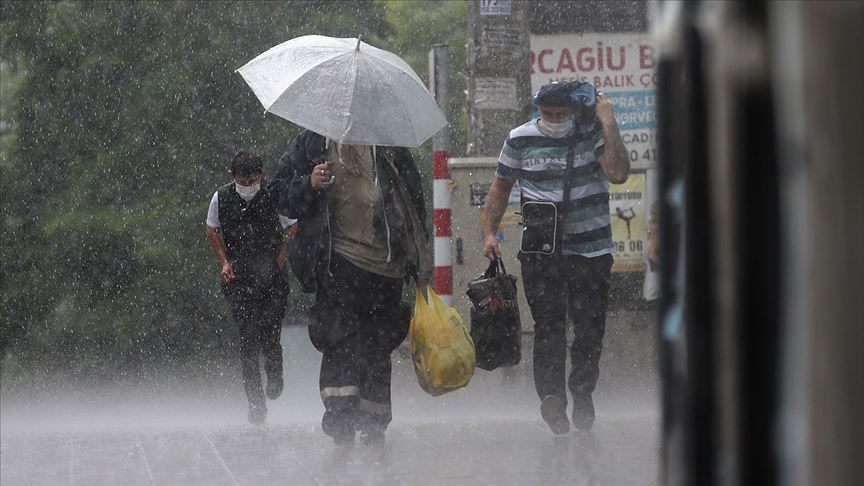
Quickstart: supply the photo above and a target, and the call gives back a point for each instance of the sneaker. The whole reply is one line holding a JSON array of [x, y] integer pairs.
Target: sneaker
[[257, 414], [274, 387], [554, 412], [583, 411]]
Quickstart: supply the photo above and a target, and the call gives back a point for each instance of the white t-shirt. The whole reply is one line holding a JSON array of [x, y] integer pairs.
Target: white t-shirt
[[213, 214]]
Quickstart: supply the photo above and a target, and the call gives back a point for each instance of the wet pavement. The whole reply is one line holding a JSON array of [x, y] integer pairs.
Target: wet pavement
[[488, 433]]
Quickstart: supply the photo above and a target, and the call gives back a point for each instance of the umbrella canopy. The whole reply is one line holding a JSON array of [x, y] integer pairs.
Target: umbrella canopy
[[346, 90]]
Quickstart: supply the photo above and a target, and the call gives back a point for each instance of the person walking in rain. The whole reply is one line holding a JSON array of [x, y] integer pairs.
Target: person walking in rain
[[564, 162], [362, 231], [250, 241]]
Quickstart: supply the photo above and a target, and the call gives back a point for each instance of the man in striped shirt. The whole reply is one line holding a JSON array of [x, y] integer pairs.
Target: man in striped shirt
[[564, 162]]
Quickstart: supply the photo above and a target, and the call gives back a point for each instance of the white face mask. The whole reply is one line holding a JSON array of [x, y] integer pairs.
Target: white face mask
[[555, 130], [247, 192]]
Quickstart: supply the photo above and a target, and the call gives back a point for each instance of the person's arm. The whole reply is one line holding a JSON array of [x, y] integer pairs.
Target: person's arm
[[496, 204], [614, 161], [218, 246], [297, 187], [287, 235], [282, 256]]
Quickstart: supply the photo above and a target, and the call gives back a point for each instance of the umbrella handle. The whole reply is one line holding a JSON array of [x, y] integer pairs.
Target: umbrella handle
[[359, 36]]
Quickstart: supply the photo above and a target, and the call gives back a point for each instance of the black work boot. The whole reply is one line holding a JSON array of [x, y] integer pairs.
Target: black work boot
[[583, 411], [554, 412], [341, 431]]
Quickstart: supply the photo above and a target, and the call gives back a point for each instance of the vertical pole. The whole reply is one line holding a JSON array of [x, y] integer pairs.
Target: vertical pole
[[499, 72], [438, 72]]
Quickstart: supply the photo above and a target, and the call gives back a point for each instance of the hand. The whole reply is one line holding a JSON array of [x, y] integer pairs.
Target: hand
[[604, 109], [490, 247], [280, 261], [321, 177], [227, 273]]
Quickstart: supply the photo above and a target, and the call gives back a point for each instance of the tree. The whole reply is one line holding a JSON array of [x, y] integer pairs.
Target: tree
[[123, 122], [117, 120]]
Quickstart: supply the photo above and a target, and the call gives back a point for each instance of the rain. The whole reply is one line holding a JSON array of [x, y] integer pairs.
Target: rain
[[124, 348]]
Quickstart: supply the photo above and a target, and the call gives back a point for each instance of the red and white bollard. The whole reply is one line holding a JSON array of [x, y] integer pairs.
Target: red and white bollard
[[438, 72], [441, 205]]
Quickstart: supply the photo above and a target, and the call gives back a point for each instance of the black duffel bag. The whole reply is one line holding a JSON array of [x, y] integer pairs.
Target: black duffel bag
[[495, 326]]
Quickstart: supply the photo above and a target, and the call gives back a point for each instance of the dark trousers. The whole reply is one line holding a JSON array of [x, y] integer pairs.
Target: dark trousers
[[258, 314], [357, 321], [552, 283]]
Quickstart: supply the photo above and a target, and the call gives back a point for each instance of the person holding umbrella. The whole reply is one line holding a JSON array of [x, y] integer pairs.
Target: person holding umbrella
[[355, 189], [362, 231]]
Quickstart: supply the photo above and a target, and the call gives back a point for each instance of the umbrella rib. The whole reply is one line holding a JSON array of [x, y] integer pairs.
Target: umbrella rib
[[397, 62], [334, 106], [267, 56], [353, 73], [308, 70], [263, 58], [395, 94]]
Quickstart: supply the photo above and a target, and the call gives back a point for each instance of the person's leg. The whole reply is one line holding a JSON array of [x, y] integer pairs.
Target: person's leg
[[588, 300], [270, 339], [380, 330], [334, 333], [374, 408], [545, 289], [338, 384], [244, 314]]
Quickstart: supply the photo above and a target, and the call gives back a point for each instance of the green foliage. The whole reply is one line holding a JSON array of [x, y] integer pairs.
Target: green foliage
[[121, 119]]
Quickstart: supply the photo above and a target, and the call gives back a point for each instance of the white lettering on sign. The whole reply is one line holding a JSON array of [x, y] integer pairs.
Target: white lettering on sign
[[621, 65], [606, 60], [494, 7]]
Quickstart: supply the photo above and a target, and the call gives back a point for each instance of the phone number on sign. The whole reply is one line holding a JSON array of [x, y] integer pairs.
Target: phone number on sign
[[632, 246]]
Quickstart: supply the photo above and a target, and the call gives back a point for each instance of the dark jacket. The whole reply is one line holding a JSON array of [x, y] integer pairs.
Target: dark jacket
[[252, 235], [294, 197]]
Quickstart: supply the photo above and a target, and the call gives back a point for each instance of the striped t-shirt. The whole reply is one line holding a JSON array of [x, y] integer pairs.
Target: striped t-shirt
[[538, 162]]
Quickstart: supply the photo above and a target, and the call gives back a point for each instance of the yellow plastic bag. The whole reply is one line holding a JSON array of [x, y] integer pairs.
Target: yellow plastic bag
[[441, 346]]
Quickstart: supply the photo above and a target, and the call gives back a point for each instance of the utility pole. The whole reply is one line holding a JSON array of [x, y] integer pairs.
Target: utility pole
[[499, 70]]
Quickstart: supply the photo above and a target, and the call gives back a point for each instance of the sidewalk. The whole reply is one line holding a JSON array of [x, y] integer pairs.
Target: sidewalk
[[489, 433]]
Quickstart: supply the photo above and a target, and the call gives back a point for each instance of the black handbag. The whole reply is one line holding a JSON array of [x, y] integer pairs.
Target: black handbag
[[540, 232], [495, 325]]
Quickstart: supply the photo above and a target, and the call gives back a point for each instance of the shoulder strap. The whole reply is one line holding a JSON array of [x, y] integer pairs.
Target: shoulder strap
[[568, 172]]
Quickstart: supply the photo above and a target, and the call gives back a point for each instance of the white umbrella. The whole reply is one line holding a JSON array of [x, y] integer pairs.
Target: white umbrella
[[346, 90]]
